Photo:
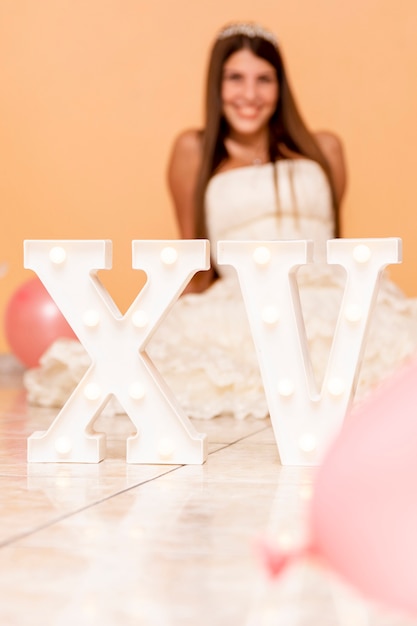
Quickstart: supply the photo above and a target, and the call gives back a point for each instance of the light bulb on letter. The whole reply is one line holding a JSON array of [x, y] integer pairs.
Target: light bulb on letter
[[361, 253], [169, 255], [91, 318], [165, 448], [270, 314], [57, 255], [140, 318], [261, 255], [92, 391]]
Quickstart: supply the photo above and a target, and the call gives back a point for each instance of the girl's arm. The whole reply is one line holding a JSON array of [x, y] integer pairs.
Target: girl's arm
[[332, 149], [183, 169]]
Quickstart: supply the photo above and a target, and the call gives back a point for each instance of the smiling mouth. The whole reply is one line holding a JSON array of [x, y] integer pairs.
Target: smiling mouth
[[247, 114]]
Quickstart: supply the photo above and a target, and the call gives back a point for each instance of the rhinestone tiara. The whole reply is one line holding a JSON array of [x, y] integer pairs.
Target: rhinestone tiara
[[249, 29]]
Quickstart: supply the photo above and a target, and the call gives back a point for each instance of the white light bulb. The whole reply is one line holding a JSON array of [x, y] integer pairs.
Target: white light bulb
[[270, 314], [353, 313], [169, 255], [165, 448], [307, 442], [336, 386], [92, 391], [361, 253], [261, 255], [57, 255], [286, 387], [140, 318], [91, 318], [137, 391], [63, 445]]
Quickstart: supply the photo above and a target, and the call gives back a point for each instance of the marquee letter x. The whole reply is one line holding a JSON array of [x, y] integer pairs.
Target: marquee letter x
[[305, 420], [116, 344]]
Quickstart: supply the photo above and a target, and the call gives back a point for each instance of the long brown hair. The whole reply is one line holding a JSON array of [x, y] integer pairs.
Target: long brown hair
[[287, 130]]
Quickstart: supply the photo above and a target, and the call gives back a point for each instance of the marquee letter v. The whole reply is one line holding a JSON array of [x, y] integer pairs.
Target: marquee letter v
[[304, 420]]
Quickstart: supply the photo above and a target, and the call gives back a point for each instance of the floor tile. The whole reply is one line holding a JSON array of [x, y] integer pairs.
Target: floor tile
[[113, 544]]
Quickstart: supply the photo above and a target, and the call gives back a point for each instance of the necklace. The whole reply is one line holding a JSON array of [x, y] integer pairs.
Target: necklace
[[247, 153], [259, 156]]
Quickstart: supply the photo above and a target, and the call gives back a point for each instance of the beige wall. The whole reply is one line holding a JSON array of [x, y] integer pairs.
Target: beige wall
[[94, 91]]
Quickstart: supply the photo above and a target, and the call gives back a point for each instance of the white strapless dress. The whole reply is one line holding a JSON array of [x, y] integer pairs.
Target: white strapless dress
[[204, 348]]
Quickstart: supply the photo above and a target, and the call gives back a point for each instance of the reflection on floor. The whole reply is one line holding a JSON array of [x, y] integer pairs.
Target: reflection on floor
[[117, 544]]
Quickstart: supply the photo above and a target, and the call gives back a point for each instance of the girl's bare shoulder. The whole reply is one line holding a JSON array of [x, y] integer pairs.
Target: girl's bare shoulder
[[187, 145], [332, 148], [330, 144]]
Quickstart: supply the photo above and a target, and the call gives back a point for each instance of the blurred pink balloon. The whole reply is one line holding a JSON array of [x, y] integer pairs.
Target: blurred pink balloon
[[33, 322], [364, 509]]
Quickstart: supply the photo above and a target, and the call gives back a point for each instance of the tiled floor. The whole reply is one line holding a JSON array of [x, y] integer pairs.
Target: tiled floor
[[117, 544]]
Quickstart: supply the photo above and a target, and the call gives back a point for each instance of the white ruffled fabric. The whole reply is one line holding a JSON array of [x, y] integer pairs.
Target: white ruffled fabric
[[204, 349], [60, 370]]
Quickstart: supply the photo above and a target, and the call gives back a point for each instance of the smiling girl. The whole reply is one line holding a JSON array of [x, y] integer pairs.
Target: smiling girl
[[254, 172]]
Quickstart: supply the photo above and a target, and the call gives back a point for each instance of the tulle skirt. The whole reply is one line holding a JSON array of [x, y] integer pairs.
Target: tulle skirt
[[205, 352]]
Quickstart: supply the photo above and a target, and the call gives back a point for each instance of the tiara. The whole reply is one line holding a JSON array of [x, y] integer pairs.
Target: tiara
[[248, 29]]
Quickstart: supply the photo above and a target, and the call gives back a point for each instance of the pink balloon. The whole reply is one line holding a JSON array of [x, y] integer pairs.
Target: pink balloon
[[33, 322], [364, 510]]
